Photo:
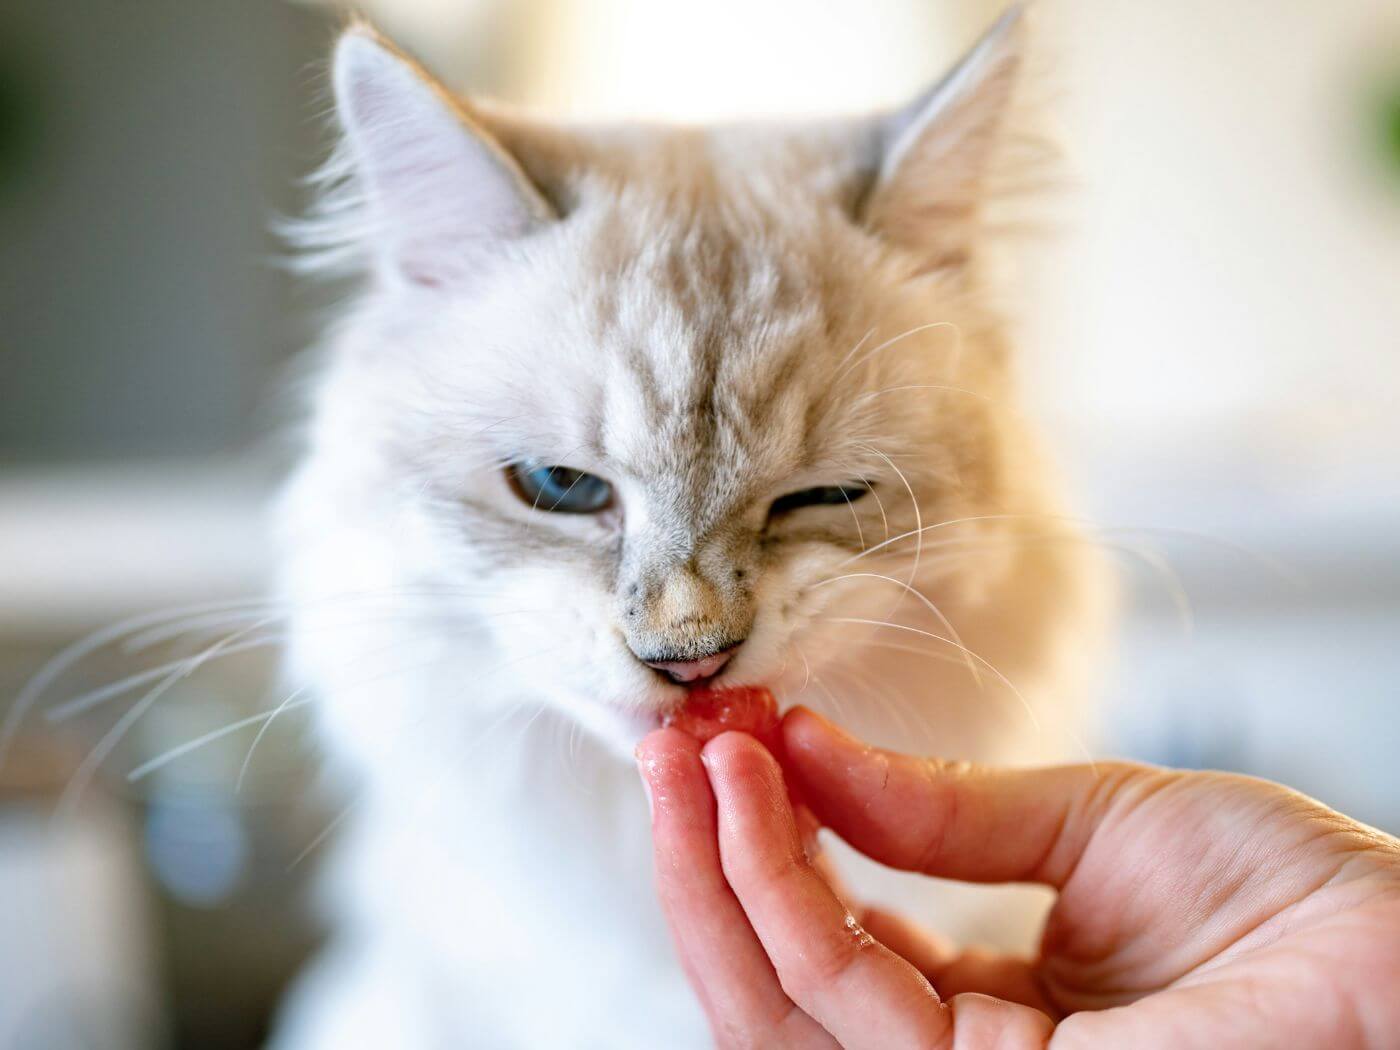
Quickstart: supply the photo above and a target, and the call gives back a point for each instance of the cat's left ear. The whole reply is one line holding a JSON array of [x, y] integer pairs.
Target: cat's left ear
[[936, 152], [442, 192]]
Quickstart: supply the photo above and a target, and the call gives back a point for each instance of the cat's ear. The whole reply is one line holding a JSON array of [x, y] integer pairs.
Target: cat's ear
[[442, 192], [935, 153]]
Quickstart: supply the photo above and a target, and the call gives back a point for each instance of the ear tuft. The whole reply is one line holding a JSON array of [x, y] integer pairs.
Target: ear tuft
[[936, 152], [443, 193]]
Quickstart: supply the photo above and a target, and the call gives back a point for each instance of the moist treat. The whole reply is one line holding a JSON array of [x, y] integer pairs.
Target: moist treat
[[748, 709]]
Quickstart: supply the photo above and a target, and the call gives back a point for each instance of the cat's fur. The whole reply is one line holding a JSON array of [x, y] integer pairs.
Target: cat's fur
[[709, 318]]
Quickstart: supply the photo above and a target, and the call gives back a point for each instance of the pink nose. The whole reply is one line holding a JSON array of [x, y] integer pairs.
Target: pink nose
[[693, 670]]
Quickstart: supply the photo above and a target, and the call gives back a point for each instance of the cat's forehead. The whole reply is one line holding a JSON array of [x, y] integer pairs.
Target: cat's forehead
[[711, 345]]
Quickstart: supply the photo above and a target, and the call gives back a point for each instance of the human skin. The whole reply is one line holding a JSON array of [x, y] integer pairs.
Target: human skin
[[1193, 910]]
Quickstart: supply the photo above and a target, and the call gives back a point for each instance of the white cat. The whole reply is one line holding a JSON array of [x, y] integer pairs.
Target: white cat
[[618, 410]]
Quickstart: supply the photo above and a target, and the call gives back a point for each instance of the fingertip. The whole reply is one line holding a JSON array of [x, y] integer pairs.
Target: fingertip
[[807, 735], [733, 748], [662, 753], [666, 739], [743, 772]]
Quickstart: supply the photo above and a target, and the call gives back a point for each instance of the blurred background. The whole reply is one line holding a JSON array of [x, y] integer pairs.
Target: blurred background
[[1212, 330]]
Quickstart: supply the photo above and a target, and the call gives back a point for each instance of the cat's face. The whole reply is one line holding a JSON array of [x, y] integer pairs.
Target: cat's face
[[666, 407]]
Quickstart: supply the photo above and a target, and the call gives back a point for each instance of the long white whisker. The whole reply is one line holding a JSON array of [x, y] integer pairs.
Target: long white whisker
[[834, 705], [923, 386], [94, 698], [164, 633], [943, 620], [806, 668], [325, 832], [860, 533], [1167, 575], [921, 528], [39, 683], [898, 706], [884, 519], [891, 342], [948, 641], [852, 352], [148, 767], [947, 658], [918, 515], [292, 699], [68, 800]]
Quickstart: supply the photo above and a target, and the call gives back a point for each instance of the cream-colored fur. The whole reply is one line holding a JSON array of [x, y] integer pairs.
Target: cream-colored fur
[[708, 318]]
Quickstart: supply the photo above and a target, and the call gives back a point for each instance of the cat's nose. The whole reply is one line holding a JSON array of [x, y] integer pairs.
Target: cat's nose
[[695, 669]]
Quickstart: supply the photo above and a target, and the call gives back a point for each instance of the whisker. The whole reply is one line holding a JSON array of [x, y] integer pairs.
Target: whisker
[[325, 832], [894, 705], [1169, 578], [921, 528], [850, 504], [924, 386], [94, 698], [292, 699], [943, 620], [918, 514], [853, 351], [884, 519], [535, 506], [68, 800], [1035, 721], [1279, 568], [89, 700], [853, 365], [39, 682], [268, 606], [806, 668], [148, 767], [833, 705], [946, 658]]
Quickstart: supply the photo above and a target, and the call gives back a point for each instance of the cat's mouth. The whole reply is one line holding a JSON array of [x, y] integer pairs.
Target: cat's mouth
[[628, 724]]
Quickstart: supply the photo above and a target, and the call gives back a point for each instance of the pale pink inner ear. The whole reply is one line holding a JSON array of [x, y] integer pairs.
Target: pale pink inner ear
[[937, 151], [443, 193]]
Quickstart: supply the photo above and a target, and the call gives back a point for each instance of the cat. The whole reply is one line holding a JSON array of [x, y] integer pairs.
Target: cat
[[618, 411]]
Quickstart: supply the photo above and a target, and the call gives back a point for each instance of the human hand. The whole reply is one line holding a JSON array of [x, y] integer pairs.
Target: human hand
[[1194, 910]]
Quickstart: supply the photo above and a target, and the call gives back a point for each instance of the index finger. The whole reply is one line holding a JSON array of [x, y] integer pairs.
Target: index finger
[[860, 991], [718, 949], [953, 819]]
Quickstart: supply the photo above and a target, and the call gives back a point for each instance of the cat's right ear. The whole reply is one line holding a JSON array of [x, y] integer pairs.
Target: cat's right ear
[[935, 154], [442, 192]]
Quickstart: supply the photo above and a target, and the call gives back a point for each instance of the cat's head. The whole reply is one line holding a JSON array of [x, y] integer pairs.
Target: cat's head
[[642, 397]]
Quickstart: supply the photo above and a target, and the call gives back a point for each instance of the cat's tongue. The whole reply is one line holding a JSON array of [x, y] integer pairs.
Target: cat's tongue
[[748, 709]]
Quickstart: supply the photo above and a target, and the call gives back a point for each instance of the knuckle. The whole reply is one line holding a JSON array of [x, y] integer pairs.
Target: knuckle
[[825, 962]]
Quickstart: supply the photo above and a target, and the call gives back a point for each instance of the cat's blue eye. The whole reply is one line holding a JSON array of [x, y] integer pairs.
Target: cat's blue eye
[[560, 489], [820, 496]]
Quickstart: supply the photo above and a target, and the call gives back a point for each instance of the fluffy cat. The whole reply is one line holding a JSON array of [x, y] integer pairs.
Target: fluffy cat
[[616, 408]]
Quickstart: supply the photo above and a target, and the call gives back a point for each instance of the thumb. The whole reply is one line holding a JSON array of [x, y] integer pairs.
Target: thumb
[[954, 820]]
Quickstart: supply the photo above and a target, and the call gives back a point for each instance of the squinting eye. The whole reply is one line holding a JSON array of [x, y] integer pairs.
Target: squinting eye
[[822, 495], [559, 489]]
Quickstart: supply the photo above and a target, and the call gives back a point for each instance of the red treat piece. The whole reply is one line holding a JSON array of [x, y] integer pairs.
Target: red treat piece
[[748, 709], [745, 709], [709, 712]]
